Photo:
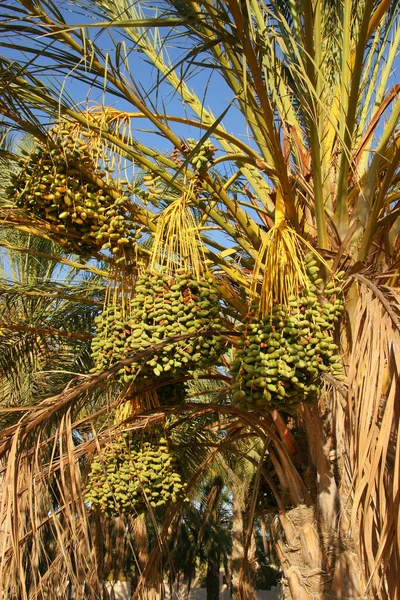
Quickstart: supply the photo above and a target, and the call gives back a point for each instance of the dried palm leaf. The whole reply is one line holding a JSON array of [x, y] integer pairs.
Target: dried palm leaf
[[368, 436]]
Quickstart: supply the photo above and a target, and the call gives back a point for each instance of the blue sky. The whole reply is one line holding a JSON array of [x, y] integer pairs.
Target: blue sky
[[208, 85]]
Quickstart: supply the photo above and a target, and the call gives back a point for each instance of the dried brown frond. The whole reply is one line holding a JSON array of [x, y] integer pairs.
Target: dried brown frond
[[51, 541], [44, 519], [369, 432]]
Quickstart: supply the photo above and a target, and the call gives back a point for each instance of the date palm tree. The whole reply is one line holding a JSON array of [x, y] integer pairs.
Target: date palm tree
[[266, 130]]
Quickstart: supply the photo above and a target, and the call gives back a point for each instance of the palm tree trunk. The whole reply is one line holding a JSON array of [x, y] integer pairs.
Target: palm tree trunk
[[212, 581], [140, 539], [237, 541], [243, 558], [318, 559]]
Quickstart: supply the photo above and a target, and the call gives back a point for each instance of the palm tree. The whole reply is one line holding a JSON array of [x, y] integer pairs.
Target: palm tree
[[312, 84]]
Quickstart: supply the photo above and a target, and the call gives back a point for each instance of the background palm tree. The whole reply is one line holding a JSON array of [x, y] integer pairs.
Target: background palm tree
[[313, 84]]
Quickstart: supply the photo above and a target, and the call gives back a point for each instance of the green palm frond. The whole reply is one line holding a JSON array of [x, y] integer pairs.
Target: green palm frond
[[45, 336]]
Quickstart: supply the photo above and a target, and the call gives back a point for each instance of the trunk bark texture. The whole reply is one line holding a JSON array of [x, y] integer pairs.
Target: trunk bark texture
[[212, 582], [317, 554], [243, 557], [237, 541], [139, 533]]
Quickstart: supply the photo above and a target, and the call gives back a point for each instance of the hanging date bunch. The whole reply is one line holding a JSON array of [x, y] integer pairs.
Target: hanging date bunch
[[165, 307], [174, 296], [112, 341], [54, 185], [287, 343], [149, 189], [203, 158], [128, 475]]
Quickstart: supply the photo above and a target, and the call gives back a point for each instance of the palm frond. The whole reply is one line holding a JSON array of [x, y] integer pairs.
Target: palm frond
[[373, 413]]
